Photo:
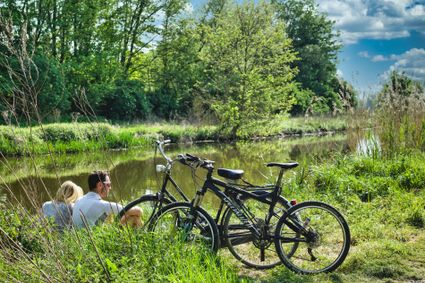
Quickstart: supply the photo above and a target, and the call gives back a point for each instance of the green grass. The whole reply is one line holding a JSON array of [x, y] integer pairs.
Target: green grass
[[33, 253], [80, 137], [383, 201]]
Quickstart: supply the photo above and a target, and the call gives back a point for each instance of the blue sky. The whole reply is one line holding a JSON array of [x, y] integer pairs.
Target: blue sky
[[378, 36]]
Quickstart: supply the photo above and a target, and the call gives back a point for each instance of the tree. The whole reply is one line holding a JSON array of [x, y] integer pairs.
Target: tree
[[175, 65], [247, 70], [316, 45], [32, 84]]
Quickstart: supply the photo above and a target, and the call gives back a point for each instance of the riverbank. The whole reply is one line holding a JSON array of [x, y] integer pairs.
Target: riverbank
[[383, 200], [80, 137]]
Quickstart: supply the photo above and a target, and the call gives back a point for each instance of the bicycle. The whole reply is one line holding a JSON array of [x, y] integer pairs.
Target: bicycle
[[300, 242], [152, 203]]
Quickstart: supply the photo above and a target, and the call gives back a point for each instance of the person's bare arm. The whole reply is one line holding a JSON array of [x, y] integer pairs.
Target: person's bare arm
[[132, 217]]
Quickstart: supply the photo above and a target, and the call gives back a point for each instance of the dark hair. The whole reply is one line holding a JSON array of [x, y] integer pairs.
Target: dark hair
[[96, 177]]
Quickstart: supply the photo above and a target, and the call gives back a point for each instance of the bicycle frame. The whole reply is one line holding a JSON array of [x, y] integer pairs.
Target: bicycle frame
[[163, 195], [242, 212], [165, 192]]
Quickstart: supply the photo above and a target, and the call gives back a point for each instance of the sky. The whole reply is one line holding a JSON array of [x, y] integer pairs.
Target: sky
[[378, 36]]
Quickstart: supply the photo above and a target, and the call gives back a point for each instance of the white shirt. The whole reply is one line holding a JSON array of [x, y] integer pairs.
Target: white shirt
[[92, 209]]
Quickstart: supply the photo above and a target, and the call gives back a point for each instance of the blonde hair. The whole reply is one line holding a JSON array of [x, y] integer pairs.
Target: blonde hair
[[69, 192]]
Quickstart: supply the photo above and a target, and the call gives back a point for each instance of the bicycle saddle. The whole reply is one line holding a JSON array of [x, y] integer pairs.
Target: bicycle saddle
[[230, 173], [283, 165]]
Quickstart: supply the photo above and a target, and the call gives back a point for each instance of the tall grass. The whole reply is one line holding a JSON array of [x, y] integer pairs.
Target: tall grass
[[383, 200], [401, 115], [32, 252], [74, 137]]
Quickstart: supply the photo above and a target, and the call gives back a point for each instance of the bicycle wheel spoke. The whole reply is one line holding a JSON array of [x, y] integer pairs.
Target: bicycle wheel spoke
[[244, 245], [322, 238], [175, 221]]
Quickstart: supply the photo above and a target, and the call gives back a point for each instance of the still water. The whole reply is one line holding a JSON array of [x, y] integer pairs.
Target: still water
[[31, 181]]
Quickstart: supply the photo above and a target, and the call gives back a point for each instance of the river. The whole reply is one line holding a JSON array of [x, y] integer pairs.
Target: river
[[30, 181]]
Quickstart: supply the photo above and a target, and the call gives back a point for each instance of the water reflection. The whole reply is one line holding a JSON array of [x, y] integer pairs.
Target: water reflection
[[369, 146], [133, 172]]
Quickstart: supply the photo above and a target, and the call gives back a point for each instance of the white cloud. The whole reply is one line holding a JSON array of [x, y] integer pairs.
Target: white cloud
[[379, 58], [375, 19], [364, 54], [412, 63], [339, 73]]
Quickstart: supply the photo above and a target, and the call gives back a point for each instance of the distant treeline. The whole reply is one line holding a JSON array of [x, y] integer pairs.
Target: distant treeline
[[132, 60]]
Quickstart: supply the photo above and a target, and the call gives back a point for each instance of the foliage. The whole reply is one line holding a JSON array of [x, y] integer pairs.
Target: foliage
[[317, 46], [401, 114], [31, 87], [247, 59], [126, 102], [131, 60]]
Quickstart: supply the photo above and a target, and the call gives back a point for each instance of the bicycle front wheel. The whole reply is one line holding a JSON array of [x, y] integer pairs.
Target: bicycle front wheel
[[322, 235], [180, 221], [149, 205]]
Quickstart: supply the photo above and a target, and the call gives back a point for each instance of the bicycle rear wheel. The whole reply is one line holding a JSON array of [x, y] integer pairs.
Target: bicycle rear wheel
[[256, 253], [180, 221], [150, 205], [322, 235]]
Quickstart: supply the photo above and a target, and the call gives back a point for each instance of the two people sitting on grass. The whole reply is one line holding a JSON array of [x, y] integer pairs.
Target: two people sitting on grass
[[60, 208], [70, 206], [92, 209]]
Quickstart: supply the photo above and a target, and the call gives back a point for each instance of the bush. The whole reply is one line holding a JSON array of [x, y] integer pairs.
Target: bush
[[126, 102]]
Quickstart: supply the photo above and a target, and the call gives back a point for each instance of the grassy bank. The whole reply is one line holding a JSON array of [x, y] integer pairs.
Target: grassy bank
[[80, 137], [383, 201]]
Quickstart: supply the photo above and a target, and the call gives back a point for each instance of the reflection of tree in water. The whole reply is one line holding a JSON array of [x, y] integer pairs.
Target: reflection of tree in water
[[346, 148], [318, 150], [295, 152]]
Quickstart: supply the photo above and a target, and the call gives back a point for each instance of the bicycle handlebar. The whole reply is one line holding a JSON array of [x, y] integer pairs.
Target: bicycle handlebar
[[186, 159], [194, 161], [161, 149]]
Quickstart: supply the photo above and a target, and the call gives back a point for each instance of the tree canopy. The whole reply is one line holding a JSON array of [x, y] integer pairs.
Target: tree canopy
[[131, 60]]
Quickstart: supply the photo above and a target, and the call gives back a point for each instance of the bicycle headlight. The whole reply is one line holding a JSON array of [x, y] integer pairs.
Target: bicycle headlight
[[160, 168]]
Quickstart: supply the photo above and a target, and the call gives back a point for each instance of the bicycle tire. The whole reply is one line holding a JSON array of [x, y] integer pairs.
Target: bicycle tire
[[240, 241], [183, 225], [150, 205], [325, 238]]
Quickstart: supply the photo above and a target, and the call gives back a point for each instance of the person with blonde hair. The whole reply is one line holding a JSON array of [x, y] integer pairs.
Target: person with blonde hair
[[60, 208]]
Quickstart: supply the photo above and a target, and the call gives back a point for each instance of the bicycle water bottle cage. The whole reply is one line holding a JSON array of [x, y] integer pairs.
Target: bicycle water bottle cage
[[283, 165], [230, 173]]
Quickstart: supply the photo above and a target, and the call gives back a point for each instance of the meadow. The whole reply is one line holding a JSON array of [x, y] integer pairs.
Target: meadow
[[382, 198]]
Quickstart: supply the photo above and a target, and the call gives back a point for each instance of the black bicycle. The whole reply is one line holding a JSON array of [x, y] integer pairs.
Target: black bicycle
[[309, 237], [152, 203]]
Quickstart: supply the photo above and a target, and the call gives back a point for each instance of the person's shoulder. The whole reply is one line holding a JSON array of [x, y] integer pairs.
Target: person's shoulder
[[47, 204], [109, 203], [111, 206]]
